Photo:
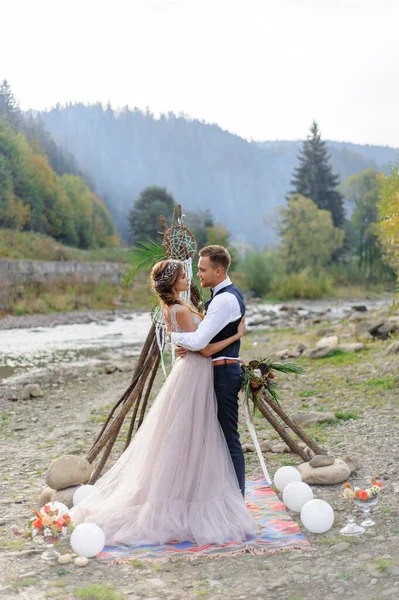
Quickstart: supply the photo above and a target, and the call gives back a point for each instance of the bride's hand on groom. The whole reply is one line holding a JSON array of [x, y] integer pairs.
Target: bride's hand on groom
[[180, 351]]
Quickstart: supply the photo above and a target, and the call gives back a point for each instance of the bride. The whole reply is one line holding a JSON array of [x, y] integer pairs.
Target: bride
[[175, 481]]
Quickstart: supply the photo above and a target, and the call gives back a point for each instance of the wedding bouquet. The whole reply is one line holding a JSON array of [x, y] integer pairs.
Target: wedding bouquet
[[259, 377], [50, 525]]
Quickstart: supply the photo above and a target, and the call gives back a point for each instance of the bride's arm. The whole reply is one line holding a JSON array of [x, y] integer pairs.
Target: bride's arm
[[218, 346]]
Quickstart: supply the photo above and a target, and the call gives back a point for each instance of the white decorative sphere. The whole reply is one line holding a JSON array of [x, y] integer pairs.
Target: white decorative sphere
[[87, 539], [296, 494], [317, 516], [86, 491], [285, 475], [62, 508]]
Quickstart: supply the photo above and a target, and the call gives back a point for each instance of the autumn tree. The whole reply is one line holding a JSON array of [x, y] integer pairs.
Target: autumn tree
[[309, 238], [388, 225], [33, 197]]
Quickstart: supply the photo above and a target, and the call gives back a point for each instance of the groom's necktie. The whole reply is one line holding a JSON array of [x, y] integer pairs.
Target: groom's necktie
[[211, 293]]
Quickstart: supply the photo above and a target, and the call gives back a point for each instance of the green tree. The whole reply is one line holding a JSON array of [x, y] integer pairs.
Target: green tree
[[258, 267], [363, 191], [314, 179], [309, 238], [388, 225], [9, 108], [143, 218]]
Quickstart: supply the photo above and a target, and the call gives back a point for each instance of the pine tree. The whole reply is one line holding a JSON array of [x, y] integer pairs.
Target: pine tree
[[314, 179], [9, 108]]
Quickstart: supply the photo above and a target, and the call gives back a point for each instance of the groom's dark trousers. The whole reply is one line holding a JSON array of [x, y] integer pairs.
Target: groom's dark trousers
[[227, 383]]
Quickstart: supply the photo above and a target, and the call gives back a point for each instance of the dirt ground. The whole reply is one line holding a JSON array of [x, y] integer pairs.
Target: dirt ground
[[362, 388]]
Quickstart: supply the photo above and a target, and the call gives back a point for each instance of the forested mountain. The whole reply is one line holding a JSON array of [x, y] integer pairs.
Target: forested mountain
[[40, 186], [204, 167]]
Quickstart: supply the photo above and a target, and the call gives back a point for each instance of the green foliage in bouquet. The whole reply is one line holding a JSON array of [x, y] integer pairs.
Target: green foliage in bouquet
[[259, 377]]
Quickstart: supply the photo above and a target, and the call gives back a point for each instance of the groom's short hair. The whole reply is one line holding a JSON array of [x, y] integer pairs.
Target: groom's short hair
[[218, 255]]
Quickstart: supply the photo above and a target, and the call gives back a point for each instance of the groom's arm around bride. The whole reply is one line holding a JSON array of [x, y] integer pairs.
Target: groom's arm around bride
[[224, 312]]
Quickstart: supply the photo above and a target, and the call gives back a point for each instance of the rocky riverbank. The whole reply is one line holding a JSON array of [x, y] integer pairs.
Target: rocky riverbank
[[359, 388]]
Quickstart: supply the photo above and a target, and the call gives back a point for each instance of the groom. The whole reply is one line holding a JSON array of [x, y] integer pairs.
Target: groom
[[224, 312]]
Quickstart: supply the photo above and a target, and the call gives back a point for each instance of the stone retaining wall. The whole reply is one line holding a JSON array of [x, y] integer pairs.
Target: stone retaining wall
[[22, 272]]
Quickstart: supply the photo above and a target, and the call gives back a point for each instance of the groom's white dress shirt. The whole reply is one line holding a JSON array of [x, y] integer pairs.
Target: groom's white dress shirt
[[223, 309]]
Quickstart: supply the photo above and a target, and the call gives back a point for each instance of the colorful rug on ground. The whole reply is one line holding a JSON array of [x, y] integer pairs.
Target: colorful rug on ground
[[277, 532]]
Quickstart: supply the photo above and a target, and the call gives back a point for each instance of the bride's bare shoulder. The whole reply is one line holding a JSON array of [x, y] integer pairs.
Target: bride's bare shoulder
[[184, 318]]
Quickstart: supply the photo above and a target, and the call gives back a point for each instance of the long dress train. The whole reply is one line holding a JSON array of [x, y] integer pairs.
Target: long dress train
[[176, 480]]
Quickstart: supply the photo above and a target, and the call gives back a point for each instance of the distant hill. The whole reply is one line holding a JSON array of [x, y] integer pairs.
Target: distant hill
[[203, 166]]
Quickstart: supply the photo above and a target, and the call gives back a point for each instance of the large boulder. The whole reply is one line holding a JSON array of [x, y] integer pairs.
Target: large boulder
[[356, 316], [301, 347], [318, 352], [68, 471], [355, 347], [329, 341], [335, 473], [287, 353], [65, 496], [32, 390], [47, 495], [280, 447], [310, 417], [384, 329]]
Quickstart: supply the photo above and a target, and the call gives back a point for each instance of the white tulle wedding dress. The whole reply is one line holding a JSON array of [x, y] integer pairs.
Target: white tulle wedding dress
[[176, 481]]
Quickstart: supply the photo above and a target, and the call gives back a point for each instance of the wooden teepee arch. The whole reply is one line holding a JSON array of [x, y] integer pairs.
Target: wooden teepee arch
[[135, 398]]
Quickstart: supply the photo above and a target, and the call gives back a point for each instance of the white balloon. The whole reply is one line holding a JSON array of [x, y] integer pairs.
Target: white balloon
[[62, 508], [317, 516], [296, 494], [87, 539], [86, 491], [285, 475]]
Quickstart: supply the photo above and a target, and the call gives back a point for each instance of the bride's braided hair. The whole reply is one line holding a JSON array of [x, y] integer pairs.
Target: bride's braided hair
[[164, 277]]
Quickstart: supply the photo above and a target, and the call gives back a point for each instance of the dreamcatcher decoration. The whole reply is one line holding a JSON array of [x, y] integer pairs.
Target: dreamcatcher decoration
[[180, 244]]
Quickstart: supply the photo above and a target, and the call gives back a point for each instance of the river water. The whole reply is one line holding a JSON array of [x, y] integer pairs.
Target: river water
[[38, 347], [77, 344]]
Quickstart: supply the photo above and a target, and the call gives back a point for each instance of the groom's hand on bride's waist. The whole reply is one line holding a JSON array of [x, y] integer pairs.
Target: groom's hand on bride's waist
[[181, 351]]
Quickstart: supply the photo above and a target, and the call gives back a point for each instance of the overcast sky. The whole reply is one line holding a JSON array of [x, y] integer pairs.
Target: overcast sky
[[263, 69]]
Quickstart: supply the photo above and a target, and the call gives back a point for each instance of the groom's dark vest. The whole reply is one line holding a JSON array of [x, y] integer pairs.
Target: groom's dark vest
[[233, 350]]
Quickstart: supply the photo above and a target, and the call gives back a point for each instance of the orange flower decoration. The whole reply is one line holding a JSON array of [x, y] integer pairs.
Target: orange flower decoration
[[377, 483], [347, 485], [38, 524], [46, 509], [363, 495]]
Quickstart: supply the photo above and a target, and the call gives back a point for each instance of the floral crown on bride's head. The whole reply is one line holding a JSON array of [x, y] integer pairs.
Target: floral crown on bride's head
[[167, 274]]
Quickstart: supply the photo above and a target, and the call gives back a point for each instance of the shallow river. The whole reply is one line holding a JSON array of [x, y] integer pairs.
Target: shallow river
[[39, 347]]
